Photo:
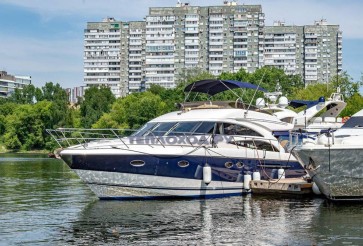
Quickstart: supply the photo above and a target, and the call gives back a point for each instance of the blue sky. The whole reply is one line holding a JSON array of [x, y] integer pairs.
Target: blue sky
[[44, 39]]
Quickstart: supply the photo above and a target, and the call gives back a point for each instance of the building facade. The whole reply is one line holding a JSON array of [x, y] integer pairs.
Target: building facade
[[130, 56], [8, 83], [214, 38], [103, 55], [75, 93]]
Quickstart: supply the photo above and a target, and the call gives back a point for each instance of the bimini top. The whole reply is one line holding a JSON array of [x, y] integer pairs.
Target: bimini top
[[309, 104], [214, 86]]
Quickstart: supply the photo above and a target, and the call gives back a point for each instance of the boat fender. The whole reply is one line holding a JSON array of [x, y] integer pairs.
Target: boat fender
[[246, 181], [281, 173], [316, 189], [207, 174], [256, 175]]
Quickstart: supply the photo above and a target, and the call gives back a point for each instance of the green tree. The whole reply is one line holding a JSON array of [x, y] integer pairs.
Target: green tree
[[354, 104], [133, 111], [26, 95], [312, 92], [346, 84], [25, 127], [97, 101]]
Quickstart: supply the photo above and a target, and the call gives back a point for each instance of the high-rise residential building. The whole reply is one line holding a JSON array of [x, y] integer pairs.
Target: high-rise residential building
[[130, 56], [284, 47], [75, 93], [8, 83], [312, 51], [323, 52], [103, 53], [213, 38], [136, 56]]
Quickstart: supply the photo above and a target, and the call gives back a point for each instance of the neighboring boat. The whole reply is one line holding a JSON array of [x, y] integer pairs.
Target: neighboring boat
[[334, 160], [320, 115], [206, 149]]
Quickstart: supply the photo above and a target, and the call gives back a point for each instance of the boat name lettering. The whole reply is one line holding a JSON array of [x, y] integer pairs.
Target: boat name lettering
[[179, 139]]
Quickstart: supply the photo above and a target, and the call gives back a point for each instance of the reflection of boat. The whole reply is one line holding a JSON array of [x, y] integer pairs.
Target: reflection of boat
[[200, 151], [334, 160]]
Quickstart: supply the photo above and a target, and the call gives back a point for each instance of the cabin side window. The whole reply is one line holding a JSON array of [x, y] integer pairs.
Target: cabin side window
[[205, 128], [232, 129], [256, 144], [183, 128]]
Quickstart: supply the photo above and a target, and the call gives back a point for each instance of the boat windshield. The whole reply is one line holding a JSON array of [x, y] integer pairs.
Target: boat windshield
[[194, 128], [144, 129]]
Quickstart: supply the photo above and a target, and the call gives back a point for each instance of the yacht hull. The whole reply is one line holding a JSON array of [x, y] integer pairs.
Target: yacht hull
[[123, 186], [111, 175], [337, 171]]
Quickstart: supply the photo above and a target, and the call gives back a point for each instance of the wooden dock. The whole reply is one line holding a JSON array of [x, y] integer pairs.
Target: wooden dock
[[290, 186]]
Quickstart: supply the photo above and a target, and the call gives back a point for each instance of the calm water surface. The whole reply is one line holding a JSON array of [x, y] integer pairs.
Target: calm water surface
[[42, 202]]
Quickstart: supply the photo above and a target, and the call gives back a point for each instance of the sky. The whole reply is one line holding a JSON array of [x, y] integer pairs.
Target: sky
[[44, 39]]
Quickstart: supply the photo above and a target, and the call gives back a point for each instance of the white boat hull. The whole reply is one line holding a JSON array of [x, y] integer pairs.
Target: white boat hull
[[110, 185]]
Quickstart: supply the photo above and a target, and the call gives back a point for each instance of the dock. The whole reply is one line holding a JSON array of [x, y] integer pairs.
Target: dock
[[289, 186]]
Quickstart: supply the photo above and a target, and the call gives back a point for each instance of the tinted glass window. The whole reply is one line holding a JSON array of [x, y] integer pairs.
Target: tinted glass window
[[231, 129], [355, 121], [162, 128], [184, 127], [256, 144], [144, 129], [205, 128]]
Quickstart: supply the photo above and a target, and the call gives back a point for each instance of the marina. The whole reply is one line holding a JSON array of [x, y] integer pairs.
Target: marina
[[43, 202]]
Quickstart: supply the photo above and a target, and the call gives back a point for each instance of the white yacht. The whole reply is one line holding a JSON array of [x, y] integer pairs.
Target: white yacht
[[320, 115], [204, 150], [334, 160]]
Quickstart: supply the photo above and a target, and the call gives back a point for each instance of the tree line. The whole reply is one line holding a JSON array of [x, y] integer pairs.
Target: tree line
[[28, 112]]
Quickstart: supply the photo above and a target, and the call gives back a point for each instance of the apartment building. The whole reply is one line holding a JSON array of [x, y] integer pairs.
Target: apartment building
[[130, 56], [105, 50], [8, 83], [213, 38], [323, 52], [75, 93], [284, 47]]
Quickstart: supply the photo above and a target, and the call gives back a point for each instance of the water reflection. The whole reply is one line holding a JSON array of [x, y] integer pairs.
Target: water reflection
[[227, 221], [43, 202]]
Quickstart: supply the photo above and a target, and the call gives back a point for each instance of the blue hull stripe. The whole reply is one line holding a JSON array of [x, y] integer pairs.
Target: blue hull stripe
[[169, 167]]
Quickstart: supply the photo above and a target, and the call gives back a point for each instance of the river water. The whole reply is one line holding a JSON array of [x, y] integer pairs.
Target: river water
[[42, 202]]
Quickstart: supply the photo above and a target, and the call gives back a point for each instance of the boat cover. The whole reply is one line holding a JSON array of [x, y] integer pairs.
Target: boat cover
[[214, 86], [300, 103]]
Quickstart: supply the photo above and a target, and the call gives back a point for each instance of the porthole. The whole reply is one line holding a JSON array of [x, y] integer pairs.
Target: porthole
[[183, 163], [228, 164], [137, 163], [239, 164]]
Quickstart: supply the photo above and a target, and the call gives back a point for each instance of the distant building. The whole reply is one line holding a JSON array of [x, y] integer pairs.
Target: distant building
[[105, 57], [130, 56], [75, 93], [312, 51], [8, 83], [323, 52], [213, 38]]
